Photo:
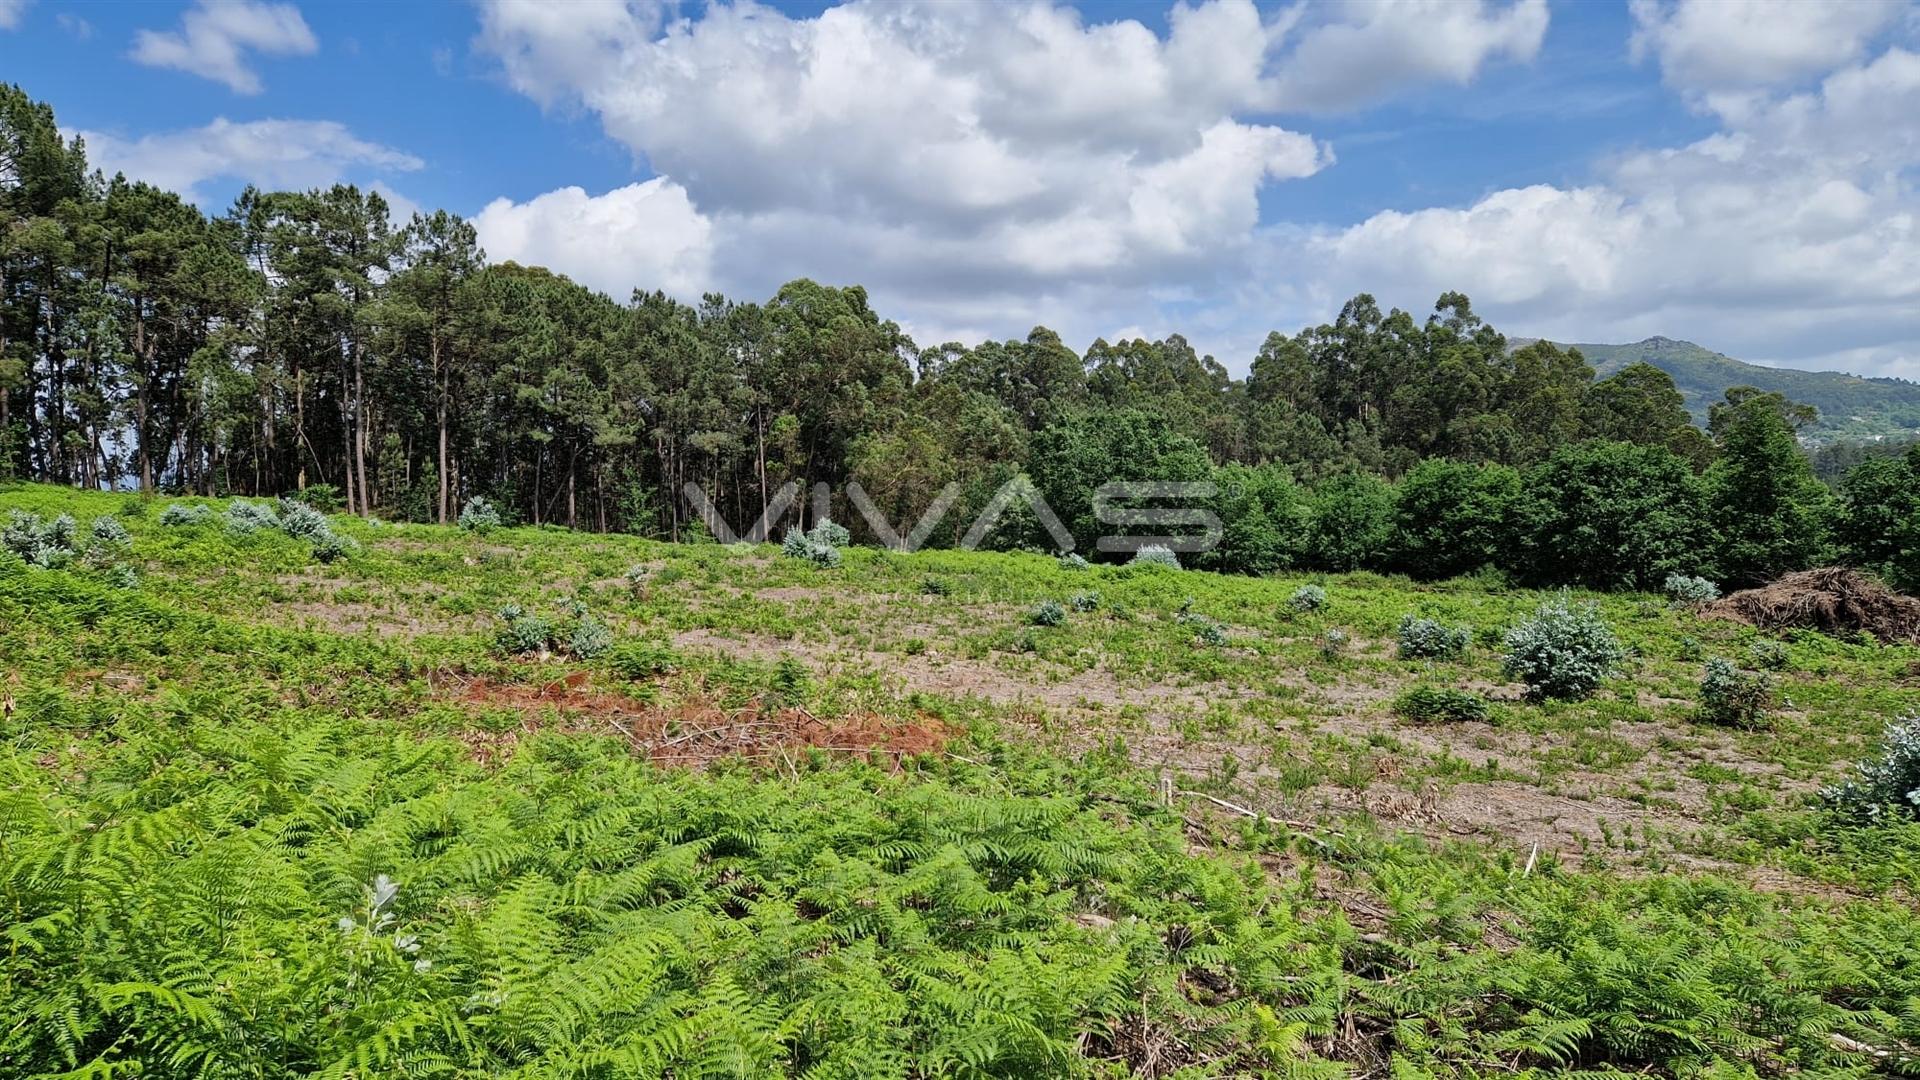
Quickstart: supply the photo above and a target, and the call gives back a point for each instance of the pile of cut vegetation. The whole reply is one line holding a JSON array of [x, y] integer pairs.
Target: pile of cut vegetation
[[1832, 599]]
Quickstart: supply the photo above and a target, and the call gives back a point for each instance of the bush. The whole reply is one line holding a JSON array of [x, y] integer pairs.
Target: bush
[[1155, 555], [1084, 601], [123, 576], [330, 546], [245, 518], [1610, 516], [1688, 589], [1885, 785], [108, 530], [302, 522], [1351, 522], [934, 586], [1734, 698], [1452, 518], [522, 633], [1563, 652], [590, 637], [811, 547], [1206, 631], [322, 497], [1768, 655], [479, 515], [1333, 643], [185, 514], [1307, 598], [642, 659], [1072, 561], [46, 544], [830, 534], [1047, 613], [1428, 639], [1436, 704]]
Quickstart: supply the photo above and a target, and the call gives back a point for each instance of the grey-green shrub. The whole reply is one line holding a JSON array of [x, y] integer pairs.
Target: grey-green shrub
[[522, 633], [46, 544], [302, 522], [1333, 642], [107, 529], [1887, 784], [1421, 638], [1084, 601], [1768, 655], [180, 513], [1563, 652], [1047, 613], [244, 518], [1307, 598], [826, 531], [1072, 561], [812, 547], [1734, 698], [1155, 555], [330, 546], [1688, 589], [479, 515], [1207, 631], [590, 637]]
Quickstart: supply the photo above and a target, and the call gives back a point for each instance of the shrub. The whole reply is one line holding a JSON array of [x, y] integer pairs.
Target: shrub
[[1206, 631], [123, 576], [1047, 613], [522, 633], [322, 497], [479, 515], [934, 586], [1307, 598], [1072, 561], [642, 659], [636, 576], [1563, 652], [46, 544], [1084, 601], [245, 518], [330, 546], [830, 534], [302, 522], [1155, 555], [800, 545], [1768, 655], [1688, 589], [590, 637], [1608, 515], [1333, 643], [1452, 518], [1887, 784], [1430, 639], [107, 529], [1734, 698], [1437, 704], [1350, 522], [185, 514]]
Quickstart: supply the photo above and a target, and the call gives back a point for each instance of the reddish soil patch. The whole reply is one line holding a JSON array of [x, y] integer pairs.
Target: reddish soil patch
[[696, 731]]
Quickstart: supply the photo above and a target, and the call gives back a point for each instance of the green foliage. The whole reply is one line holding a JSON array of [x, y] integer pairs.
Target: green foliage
[[640, 660], [1350, 523], [1307, 598], [1768, 655], [810, 548], [245, 518], [1886, 786], [521, 633], [1771, 514], [589, 637], [322, 497], [47, 544], [302, 521], [1879, 521], [107, 529], [936, 586], [1333, 643], [1084, 601], [1440, 704], [1610, 515], [1072, 561], [1453, 517], [183, 513], [1564, 652], [1421, 638], [1733, 698], [825, 531]]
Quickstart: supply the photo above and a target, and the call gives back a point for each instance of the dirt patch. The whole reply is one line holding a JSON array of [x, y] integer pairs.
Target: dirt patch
[[1830, 600], [695, 731]]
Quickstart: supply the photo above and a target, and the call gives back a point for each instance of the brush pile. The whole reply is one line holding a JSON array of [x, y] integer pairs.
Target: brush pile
[[1832, 600]]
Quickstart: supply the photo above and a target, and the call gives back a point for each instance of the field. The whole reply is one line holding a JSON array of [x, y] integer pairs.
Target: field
[[266, 816]]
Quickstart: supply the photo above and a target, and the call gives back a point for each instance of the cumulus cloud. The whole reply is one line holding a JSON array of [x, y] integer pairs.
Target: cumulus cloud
[[1793, 233], [1722, 45], [215, 37], [11, 12], [967, 156], [268, 153], [643, 234]]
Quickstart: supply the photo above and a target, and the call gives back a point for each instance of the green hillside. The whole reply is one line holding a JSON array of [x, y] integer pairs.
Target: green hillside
[[1850, 406]]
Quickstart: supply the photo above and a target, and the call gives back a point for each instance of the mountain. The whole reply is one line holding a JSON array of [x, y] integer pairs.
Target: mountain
[[1851, 407]]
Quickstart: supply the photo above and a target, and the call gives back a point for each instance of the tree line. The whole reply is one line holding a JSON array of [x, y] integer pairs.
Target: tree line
[[306, 342]]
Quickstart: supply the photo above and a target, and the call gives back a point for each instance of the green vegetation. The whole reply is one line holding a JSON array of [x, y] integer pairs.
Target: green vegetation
[[270, 817]]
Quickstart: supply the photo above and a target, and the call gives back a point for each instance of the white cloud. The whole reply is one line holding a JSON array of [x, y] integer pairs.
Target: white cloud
[[215, 37], [964, 159], [1792, 233], [645, 234], [11, 12], [268, 153], [1725, 45]]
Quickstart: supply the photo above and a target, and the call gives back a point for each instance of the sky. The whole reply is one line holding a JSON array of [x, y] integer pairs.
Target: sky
[[1738, 173]]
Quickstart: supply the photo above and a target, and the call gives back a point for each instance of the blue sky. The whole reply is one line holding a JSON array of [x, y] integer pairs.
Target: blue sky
[[1738, 172]]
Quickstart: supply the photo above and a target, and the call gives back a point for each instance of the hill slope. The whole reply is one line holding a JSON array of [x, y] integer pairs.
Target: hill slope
[[1850, 406]]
